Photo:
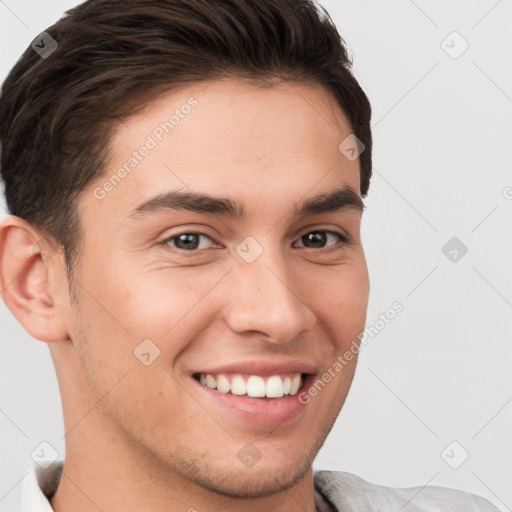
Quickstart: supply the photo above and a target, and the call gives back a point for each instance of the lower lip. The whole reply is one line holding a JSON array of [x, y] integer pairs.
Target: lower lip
[[260, 411]]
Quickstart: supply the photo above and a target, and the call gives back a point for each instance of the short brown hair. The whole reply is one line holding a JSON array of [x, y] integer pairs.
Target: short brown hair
[[57, 112]]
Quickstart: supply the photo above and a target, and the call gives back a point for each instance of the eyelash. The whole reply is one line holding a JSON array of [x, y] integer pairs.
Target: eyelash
[[343, 240]]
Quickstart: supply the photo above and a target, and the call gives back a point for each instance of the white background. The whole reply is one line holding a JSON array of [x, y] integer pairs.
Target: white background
[[440, 371]]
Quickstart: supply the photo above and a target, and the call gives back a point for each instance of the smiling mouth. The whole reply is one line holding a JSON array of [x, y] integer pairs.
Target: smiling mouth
[[255, 386]]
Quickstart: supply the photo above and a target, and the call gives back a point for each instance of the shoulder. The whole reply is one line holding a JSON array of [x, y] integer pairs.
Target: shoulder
[[348, 492]]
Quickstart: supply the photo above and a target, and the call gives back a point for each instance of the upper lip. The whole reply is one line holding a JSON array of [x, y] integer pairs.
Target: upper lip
[[263, 368]]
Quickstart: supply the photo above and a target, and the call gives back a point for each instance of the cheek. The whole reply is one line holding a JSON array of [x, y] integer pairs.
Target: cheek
[[150, 302], [342, 298], [345, 309]]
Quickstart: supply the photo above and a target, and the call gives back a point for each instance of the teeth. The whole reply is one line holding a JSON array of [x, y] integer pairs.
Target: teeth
[[255, 386], [211, 382], [287, 385], [238, 385], [295, 385], [223, 384], [274, 386]]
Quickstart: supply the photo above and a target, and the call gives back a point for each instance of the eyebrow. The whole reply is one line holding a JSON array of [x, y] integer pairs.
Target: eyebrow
[[339, 199]]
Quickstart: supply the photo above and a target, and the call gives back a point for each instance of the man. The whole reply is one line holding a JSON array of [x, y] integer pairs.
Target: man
[[185, 179]]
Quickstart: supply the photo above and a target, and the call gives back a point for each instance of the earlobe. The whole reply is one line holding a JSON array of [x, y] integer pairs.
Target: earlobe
[[24, 273]]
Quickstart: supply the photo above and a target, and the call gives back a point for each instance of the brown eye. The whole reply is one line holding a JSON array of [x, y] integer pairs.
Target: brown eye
[[186, 241], [318, 239]]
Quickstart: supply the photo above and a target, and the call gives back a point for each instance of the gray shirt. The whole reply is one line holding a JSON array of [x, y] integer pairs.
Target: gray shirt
[[345, 492]]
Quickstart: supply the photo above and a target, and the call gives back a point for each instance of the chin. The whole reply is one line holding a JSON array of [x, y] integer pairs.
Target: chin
[[270, 475], [253, 482]]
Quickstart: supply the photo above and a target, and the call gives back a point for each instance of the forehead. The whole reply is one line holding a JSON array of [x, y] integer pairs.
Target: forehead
[[229, 137]]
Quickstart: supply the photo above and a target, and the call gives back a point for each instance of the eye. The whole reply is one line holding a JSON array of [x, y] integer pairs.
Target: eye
[[187, 241], [318, 239], [191, 241]]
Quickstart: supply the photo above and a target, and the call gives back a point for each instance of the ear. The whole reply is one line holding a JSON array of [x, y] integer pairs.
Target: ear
[[25, 258]]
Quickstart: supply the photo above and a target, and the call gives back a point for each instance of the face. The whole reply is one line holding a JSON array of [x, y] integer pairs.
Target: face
[[254, 289]]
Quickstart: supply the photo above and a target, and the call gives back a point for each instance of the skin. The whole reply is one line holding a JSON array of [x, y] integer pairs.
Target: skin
[[144, 437]]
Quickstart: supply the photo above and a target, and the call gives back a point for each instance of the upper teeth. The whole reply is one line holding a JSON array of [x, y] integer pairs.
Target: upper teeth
[[274, 386]]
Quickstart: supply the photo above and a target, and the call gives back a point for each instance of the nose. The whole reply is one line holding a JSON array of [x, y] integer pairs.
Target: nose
[[267, 298]]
